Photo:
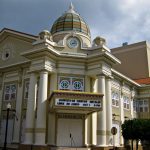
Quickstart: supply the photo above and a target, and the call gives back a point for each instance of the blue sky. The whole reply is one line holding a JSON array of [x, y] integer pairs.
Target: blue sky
[[118, 21]]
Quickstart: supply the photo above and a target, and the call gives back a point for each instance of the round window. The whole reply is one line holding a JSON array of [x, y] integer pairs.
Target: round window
[[6, 54], [64, 84], [77, 85]]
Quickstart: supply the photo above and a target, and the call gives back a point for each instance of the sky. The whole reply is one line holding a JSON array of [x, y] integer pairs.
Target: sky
[[117, 21]]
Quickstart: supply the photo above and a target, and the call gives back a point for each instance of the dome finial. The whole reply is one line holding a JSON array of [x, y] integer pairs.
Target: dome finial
[[71, 9]]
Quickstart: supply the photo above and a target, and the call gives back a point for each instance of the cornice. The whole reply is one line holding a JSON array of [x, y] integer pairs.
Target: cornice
[[125, 77]]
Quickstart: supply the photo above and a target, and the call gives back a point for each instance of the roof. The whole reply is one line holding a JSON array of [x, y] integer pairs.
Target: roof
[[70, 21], [5, 32], [143, 81], [17, 32]]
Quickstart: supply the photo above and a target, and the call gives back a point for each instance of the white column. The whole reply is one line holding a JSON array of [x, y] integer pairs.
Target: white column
[[132, 114], [94, 128], [88, 128], [94, 116], [40, 131], [132, 98], [17, 123], [101, 116], [121, 112], [109, 112], [31, 105]]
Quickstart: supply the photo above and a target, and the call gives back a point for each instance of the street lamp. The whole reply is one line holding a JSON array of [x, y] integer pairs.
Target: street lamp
[[6, 130]]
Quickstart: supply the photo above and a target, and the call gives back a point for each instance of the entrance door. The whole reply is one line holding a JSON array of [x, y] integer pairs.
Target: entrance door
[[117, 136], [70, 132]]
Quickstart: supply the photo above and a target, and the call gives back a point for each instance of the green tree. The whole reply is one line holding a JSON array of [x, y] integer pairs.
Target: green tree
[[136, 129]]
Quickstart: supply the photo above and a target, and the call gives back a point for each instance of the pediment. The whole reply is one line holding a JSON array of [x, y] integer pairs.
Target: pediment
[[11, 46]]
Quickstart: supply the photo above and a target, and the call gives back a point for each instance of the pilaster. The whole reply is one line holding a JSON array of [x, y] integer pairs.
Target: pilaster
[[101, 115], [109, 112], [40, 130], [17, 122], [121, 111], [94, 117], [31, 106]]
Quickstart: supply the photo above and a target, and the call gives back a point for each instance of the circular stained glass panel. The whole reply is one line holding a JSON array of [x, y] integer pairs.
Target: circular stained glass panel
[[64, 84], [77, 85]]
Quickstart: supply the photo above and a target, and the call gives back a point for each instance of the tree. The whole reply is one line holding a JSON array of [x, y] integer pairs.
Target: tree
[[136, 129]]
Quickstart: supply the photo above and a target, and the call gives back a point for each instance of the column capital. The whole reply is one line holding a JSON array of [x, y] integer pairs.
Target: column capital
[[101, 75], [43, 72]]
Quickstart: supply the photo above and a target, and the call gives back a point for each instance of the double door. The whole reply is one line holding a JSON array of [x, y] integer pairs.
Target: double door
[[70, 132]]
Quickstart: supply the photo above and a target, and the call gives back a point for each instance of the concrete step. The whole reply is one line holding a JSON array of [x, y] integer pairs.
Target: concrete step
[[70, 148]]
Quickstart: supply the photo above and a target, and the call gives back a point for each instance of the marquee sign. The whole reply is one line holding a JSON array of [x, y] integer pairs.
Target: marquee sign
[[78, 103]]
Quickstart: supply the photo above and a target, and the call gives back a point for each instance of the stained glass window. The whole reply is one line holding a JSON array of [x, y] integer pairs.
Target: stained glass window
[[10, 92], [71, 83]]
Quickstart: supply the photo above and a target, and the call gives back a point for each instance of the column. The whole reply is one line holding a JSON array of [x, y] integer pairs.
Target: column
[[101, 115], [94, 116], [40, 131], [88, 127], [109, 112], [121, 112], [94, 128], [17, 123], [31, 106], [132, 114], [132, 98]]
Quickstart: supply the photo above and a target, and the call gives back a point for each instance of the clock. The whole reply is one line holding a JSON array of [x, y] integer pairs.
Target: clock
[[73, 42]]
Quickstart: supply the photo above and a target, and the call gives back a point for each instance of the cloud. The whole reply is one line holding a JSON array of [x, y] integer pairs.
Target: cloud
[[117, 20], [129, 22]]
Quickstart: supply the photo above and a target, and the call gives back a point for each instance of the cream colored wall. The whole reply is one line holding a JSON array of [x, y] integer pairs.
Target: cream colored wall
[[16, 46], [51, 129], [18, 76], [52, 116]]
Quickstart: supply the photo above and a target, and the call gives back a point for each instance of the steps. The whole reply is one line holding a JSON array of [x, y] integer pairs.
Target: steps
[[70, 148]]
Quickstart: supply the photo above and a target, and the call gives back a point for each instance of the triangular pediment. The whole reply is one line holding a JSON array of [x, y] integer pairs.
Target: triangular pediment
[[12, 44]]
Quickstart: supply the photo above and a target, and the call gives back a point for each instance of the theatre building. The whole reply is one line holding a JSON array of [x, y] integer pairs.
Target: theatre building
[[66, 90]]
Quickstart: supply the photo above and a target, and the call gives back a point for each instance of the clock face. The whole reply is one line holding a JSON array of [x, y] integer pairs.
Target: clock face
[[73, 42]]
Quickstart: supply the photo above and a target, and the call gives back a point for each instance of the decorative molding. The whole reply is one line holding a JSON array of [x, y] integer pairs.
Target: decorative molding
[[40, 130], [70, 116], [29, 130], [101, 132]]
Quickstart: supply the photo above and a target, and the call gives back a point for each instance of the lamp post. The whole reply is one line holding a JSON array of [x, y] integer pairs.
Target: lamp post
[[6, 130]]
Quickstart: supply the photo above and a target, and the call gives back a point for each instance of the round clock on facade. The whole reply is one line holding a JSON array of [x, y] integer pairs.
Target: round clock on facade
[[73, 42]]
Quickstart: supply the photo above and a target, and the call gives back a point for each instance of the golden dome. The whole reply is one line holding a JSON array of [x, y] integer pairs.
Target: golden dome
[[70, 21]]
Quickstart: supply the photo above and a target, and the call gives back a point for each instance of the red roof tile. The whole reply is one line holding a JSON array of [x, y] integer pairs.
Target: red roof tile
[[143, 81]]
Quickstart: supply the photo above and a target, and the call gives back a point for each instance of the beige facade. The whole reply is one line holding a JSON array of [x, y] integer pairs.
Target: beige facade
[[65, 91]]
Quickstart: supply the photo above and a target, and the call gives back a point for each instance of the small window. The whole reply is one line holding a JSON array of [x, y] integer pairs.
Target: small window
[[10, 92], [126, 102], [135, 105], [143, 105], [115, 99]]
